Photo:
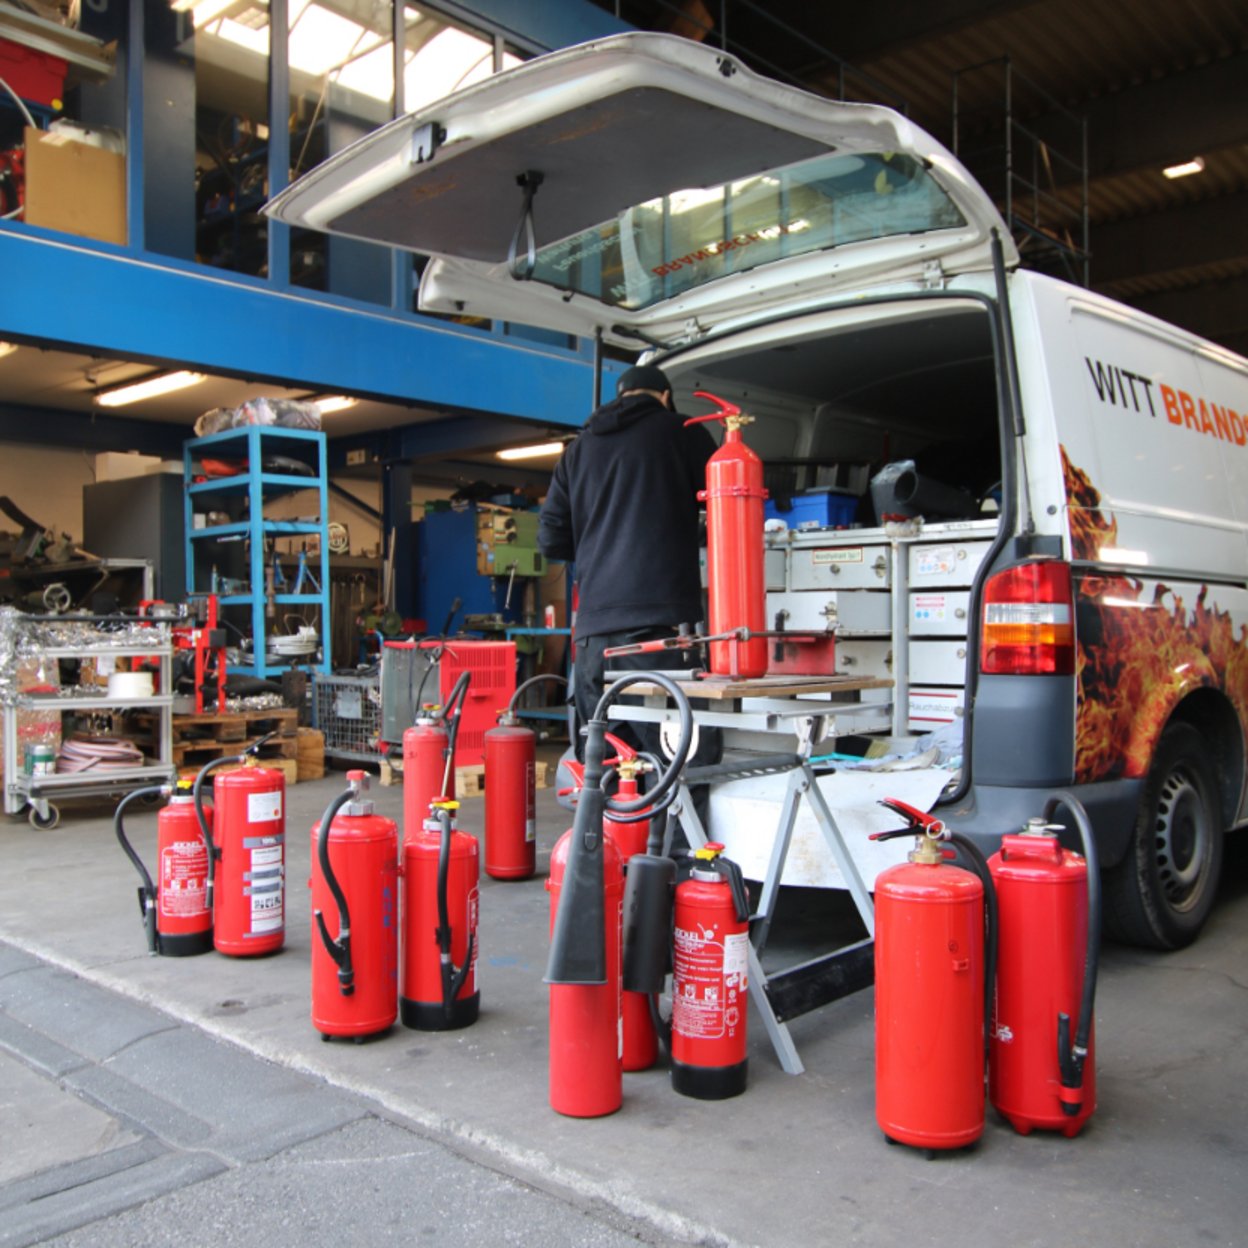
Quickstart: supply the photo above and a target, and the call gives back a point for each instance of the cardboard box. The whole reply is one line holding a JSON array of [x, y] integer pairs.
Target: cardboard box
[[121, 465], [73, 187]]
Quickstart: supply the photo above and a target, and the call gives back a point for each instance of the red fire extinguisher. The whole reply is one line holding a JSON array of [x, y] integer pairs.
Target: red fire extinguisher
[[1041, 1067], [176, 915], [710, 979], [440, 907], [511, 792], [246, 855], [933, 971], [355, 870], [736, 592], [428, 757]]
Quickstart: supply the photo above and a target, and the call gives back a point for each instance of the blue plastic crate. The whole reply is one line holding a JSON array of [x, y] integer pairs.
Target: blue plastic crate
[[821, 508]]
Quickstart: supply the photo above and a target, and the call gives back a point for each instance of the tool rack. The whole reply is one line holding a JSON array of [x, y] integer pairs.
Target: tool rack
[[806, 708]]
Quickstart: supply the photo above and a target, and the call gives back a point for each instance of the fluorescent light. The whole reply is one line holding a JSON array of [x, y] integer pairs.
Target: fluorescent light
[[7, 348], [531, 452], [149, 388], [1186, 169], [335, 403]]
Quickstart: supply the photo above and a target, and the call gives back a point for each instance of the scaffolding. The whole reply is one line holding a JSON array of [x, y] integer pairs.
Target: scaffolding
[[1027, 166]]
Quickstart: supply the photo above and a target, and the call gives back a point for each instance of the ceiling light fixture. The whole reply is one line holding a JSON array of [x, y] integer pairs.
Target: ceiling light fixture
[[149, 388], [531, 452], [1186, 169], [335, 403], [7, 348]]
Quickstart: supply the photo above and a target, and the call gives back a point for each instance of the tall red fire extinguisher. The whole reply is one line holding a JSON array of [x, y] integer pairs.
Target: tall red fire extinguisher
[[585, 968], [710, 978], [1041, 1068], [355, 873], [511, 791], [176, 914], [246, 854], [429, 757], [933, 971], [736, 591], [440, 908]]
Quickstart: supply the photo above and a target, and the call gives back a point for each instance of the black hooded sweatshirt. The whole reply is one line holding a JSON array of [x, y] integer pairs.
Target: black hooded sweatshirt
[[623, 505]]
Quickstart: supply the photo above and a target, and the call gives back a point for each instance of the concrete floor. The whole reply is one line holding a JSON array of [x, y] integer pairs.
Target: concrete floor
[[796, 1160]]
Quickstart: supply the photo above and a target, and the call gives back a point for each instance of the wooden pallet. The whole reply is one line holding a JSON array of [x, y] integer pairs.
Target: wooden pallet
[[198, 739]]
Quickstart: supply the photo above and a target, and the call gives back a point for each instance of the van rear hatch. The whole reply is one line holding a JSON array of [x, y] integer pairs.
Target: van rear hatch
[[652, 188]]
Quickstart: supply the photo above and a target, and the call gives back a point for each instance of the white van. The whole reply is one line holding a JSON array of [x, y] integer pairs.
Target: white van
[[1074, 595]]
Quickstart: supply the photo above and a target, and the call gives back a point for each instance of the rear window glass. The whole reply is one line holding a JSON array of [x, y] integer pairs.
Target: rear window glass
[[664, 247]]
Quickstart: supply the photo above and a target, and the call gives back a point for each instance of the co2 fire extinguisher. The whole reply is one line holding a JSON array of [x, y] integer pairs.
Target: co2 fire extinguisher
[[736, 591], [176, 913], [584, 969], [429, 757], [246, 854], [440, 907], [511, 791], [934, 969], [710, 978], [1041, 1067], [355, 872]]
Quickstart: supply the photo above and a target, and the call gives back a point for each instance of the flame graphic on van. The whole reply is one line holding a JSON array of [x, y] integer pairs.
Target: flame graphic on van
[[1140, 650]]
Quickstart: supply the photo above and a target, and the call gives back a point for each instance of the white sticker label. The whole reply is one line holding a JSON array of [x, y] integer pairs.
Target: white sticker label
[[838, 554], [264, 807], [929, 607], [934, 560], [736, 957], [266, 857]]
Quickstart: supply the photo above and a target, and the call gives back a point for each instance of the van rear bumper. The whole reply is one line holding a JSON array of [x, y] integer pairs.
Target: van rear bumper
[[988, 812]]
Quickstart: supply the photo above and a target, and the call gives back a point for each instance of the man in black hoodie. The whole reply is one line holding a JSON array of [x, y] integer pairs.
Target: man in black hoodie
[[623, 505]]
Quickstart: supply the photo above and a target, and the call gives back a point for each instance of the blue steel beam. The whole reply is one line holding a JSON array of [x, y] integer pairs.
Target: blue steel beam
[[46, 426], [102, 299]]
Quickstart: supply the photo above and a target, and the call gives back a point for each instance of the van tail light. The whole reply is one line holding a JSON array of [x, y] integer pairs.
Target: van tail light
[[1028, 627]]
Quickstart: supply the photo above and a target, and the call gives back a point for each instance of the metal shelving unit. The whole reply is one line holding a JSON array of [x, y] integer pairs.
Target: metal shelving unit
[[38, 791], [259, 487]]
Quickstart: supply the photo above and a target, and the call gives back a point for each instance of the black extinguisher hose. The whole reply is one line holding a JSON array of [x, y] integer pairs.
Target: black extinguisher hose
[[525, 685], [450, 716], [147, 891], [452, 977], [979, 864], [197, 792], [1070, 1058], [339, 950]]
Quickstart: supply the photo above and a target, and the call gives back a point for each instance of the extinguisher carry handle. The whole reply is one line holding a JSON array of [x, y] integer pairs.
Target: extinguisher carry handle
[[919, 821], [725, 409], [731, 871]]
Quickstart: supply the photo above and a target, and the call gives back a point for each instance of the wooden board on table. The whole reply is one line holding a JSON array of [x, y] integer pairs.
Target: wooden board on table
[[720, 688]]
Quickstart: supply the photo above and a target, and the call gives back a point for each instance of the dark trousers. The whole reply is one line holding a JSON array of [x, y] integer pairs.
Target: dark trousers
[[587, 684]]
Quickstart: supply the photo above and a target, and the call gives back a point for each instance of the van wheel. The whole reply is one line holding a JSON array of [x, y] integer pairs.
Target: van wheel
[[1161, 893]]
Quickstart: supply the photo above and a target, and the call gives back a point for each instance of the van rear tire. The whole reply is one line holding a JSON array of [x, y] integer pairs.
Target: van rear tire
[[1161, 893]]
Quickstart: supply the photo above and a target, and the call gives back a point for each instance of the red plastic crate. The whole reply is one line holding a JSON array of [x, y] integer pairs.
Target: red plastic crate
[[36, 76], [493, 681]]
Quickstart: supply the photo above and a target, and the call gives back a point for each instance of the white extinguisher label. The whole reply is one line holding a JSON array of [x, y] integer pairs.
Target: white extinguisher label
[[264, 807], [183, 878], [737, 959]]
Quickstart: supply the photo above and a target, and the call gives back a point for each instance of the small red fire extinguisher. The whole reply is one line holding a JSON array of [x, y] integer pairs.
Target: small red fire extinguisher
[[176, 915], [511, 792], [933, 972], [736, 591], [246, 855], [428, 757], [440, 906], [355, 870], [710, 979], [1041, 1067]]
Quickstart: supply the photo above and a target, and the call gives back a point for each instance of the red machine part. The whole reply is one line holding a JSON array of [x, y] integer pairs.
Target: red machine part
[[12, 181], [510, 800], [929, 1001], [425, 773], [1042, 898], [441, 875], [586, 1032], [183, 920], [710, 979], [355, 974], [736, 590], [249, 884]]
